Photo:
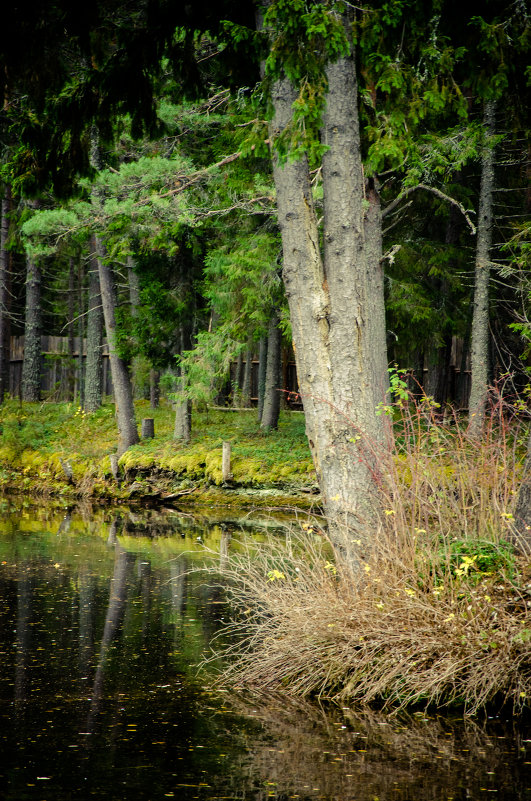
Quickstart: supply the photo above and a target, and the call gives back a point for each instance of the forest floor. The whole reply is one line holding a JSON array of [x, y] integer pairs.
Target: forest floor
[[56, 449]]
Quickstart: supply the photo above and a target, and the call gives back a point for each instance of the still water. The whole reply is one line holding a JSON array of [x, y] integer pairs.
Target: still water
[[103, 624]]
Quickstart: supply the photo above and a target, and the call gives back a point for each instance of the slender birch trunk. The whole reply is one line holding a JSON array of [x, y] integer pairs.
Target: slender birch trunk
[[480, 319]]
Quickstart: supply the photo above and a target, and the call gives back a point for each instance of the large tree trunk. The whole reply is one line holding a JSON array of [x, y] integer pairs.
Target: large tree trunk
[[5, 328], [335, 348], [271, 410], [32, 364], [480, 319], [94, 367]]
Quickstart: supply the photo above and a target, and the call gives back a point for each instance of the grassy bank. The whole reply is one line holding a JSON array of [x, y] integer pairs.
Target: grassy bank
[[435, 613], [40, 443]]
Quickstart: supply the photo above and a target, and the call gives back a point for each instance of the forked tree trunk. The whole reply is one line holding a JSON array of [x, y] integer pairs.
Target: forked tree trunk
[[271, 410], [338, 353], [94, 367], [32, 364], [5, 328], [480, 320]]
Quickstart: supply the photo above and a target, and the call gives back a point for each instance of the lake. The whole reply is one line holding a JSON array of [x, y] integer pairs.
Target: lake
[[105, 618]]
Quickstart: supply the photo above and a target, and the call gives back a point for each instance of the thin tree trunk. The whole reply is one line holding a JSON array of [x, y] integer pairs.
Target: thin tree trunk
[[32, 364], [123, 393], [5, 328], [336, 350], [375, 295], [71, 371], [134, 299], [94, 367], [480, 319], [271, 410], [521, 529], [246, 384], [154, 388], [183, 408], [262, 367], [183, 414], [237, 386], [81, 332]]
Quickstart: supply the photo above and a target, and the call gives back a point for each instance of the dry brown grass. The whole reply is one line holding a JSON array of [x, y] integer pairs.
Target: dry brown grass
[[437, 613]]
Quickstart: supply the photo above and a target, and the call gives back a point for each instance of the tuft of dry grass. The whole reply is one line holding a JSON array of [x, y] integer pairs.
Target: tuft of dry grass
[[436, 614]]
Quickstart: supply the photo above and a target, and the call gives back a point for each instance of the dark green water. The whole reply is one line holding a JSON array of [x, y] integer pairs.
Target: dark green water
[[102, 626]]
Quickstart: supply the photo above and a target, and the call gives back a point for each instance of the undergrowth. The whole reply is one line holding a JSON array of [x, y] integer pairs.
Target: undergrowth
[[35, 438], [436, 613]]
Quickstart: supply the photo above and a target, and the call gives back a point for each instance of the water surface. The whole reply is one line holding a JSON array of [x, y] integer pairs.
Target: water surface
[[103, 623]]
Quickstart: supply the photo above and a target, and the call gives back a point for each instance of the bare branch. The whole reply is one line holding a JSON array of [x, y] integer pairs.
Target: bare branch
[[438, 193]]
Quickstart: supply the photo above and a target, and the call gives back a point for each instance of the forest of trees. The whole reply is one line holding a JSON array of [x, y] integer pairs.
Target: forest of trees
[[202, 186]]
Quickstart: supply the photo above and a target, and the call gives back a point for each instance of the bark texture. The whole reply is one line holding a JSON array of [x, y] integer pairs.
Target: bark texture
[[31, 366], [94, 367], [5, 328], [271, 410], [123, 394], [479, 356], [262, 366], [336, 349]]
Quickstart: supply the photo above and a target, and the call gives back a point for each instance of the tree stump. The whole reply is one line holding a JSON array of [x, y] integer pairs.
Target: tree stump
[[148, 428]]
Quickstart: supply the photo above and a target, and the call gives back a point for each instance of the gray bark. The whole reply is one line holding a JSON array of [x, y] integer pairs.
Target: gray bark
[[81, 333], [5, 328], [521, 529], [375, 316], [123, 393], [32, 364], [329, 301], [70, 329], [237, 386], [262, 366], [94, 367], [246, 384], [183, 416], [271, 410], [479, 355], [154, 388]]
